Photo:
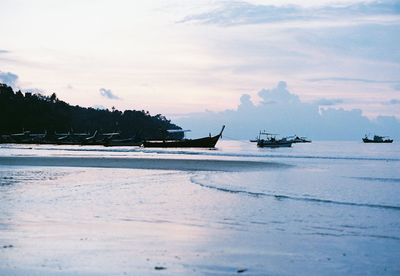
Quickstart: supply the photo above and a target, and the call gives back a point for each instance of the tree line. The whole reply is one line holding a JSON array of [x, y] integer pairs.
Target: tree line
[[39, 113]]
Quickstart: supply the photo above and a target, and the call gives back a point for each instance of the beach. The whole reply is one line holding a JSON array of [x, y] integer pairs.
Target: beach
[[324, 208]]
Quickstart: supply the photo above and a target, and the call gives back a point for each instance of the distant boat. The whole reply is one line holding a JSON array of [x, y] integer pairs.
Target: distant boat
[[269, 140], [205, 142], [377, 139], [297, 139]]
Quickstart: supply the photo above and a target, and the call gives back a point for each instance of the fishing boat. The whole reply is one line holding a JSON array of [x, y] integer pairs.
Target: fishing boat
[[131, 142], [296, 139], [377, 139], [70, 138], [205, 142], [269, 140]]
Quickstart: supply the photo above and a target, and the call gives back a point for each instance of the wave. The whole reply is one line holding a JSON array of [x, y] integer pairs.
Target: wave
[[287, 197], [379, 179], [386, 237], [10, 177], [200, 152]]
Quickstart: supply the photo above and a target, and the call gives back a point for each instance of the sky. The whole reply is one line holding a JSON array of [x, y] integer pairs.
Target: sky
[[185, 58]]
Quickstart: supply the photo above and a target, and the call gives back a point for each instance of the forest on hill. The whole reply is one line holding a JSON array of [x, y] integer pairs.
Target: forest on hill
[[39, 113]]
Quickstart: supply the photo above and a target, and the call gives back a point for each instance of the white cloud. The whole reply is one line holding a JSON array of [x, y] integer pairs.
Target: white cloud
[[9, 78], [107, 93], [99, 106], [231, 13], [392, 102], [287, 115], [279, 95], [191, 67], [328, 102]]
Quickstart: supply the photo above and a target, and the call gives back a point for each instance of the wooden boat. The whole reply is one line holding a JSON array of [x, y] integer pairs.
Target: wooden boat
[[109, 140], [131, 142], [270, 141], [254, 140], [70, 138], [205, 142], [26, 137], [296, 139], [91, 140], [377, 139]]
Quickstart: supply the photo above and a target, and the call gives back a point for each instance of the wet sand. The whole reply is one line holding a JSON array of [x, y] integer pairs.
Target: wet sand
[[139, 163], [78, 212]]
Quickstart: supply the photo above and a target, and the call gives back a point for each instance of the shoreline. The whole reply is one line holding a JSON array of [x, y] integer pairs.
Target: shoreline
[[140, 163]]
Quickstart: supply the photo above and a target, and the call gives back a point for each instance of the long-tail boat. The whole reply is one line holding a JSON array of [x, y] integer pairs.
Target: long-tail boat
[[205, 142]]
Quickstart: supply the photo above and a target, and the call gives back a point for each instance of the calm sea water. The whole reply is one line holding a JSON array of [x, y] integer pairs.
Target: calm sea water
[[321, 208]]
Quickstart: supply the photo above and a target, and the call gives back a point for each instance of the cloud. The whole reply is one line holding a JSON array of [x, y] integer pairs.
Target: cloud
[[328, 102], [34, 90], [354, 80], [281, 111], [396, 86], [240, 12], [107, 93], [12, 80], [99, 106], [245, 102], [392, 102], [9, 78], [279, 94]]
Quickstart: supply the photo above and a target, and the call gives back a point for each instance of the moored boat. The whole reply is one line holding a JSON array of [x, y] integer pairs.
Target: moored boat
[[122, 142], [270, 141], [296, 139], [205, 142], [377, 139]]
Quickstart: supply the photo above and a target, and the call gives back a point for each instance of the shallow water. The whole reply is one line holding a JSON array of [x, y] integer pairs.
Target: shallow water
[[321, 208]]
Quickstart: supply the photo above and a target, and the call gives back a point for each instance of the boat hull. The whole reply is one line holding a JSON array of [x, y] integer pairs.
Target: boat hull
[[268, 144], [122, 143], [377, 142], [301, 141], [206, 142]]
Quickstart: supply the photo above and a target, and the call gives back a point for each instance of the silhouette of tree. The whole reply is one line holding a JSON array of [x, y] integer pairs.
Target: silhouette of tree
[[39, 113]]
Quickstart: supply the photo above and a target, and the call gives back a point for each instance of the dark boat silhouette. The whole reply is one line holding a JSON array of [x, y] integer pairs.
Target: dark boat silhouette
[[70, 138], [270, 141], [205, 142], [131, 142], [296, 139], [377, 139], [254, 140], [25, 137]]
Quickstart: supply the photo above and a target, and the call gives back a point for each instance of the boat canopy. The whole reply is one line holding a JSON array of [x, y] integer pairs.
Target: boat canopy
[[267, 133]]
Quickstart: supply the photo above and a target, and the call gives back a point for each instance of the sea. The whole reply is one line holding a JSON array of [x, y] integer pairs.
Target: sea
[[320, 208]]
